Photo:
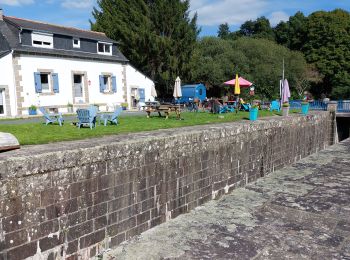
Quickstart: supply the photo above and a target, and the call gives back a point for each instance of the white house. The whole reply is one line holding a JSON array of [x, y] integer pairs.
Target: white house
[[53, 66]]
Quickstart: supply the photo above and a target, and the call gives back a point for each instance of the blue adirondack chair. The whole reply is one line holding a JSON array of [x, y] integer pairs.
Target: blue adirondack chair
[[223, 109], [230, 108], [245, 107], [87, 116], [275, 106], [50, 119], [191, 106], [113, 118]]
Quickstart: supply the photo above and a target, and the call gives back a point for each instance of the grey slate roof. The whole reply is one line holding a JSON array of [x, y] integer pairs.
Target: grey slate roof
[[10, 40], [10, 34], [71, 54], [56, 29]]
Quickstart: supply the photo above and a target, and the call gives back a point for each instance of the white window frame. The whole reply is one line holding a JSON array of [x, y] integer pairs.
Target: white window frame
[[76, 45], [104, 48], [49, 82], [108, 88], [42, 40]]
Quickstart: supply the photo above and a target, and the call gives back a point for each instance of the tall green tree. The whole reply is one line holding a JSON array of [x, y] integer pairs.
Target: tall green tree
[[224, 31], [157, 36], [292, 33], [328, 47], [260, 28]]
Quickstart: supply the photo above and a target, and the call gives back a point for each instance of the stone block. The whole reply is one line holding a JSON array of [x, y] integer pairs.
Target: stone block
[[22, 252], [92, 239], [80, 230], [76, 218], [121, 226], [97, 210], [15, 239], [116, 240], [100, 222], [51, 241]]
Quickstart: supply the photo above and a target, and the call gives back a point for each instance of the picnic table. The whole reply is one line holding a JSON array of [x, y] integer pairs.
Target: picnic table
[[162, 108]]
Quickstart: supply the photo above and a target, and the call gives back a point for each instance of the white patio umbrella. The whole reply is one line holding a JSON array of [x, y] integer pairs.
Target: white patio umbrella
[[153, 91], [177, 88]]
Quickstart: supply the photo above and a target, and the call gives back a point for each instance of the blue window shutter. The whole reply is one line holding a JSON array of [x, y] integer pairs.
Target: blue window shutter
[[37, 81], [102, 85], [142, 94], [55, 83], [114, 84]]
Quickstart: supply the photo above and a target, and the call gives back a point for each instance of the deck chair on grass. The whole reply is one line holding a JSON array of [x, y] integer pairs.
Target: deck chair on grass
[[226, 109], [50, 119], [275, 106], [245, 107], [86, 117], [113, 118]]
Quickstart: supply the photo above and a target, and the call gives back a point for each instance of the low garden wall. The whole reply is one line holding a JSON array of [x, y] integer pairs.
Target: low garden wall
[[76, 199]]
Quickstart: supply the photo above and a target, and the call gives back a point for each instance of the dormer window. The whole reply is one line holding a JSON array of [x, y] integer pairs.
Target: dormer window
[[104, 48], [76, 43], [42, 40]]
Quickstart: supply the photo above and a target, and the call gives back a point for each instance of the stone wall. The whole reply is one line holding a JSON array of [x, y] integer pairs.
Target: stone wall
[[76, 199]]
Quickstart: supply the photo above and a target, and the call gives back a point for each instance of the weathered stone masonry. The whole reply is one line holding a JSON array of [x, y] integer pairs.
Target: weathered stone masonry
[[78, 198]]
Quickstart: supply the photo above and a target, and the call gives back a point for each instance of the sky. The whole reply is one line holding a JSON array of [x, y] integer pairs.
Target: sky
[[211, 13]]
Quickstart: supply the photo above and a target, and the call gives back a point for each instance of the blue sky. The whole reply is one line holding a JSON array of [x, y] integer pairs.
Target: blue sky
[[76, 13]]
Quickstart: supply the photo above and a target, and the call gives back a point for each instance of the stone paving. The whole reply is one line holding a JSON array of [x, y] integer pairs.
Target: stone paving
[[300, 212]]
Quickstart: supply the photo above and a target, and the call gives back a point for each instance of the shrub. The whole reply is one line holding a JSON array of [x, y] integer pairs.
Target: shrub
[[32, 107]]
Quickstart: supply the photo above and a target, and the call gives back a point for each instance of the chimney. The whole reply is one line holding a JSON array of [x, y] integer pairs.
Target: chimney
[[1, 14]]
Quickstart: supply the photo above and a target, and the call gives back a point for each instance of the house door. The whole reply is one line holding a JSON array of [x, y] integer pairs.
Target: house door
[[134, 97], [142, 95], [2, 101], [78, 88]]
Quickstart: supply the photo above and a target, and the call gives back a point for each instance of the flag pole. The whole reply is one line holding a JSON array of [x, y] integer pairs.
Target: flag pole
[[281, 83]]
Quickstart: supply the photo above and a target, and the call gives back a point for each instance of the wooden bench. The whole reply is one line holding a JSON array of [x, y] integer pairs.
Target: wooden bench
[[166, 109]]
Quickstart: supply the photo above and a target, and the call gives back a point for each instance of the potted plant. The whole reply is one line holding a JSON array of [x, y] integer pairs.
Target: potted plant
[[70, 107], [253, 112], [285, 109], [32, 110], [124, 105], [304, 107]]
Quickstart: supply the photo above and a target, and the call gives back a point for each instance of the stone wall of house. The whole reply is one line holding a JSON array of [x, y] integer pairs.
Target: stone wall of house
[[76, 199]]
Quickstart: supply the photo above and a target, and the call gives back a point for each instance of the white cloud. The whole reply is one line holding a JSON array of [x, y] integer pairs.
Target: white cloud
[[80, 4], [234, 12], [16, 2], [276, 17]]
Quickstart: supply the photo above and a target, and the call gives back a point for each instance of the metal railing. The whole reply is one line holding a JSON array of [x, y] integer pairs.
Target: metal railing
[[318, 105], [343, 106], [314, 105]]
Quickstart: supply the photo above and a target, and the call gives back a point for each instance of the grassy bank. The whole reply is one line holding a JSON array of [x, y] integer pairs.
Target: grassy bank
[[39, 133]]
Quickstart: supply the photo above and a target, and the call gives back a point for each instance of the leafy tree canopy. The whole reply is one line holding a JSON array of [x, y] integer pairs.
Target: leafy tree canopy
[[292, 33], [157, 36], [327, 46], [224, 31], [258, 60], [260, 28], [323, 38]]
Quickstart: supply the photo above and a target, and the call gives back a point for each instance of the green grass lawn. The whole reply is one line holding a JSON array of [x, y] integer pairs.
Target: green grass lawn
[[39, 133]]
